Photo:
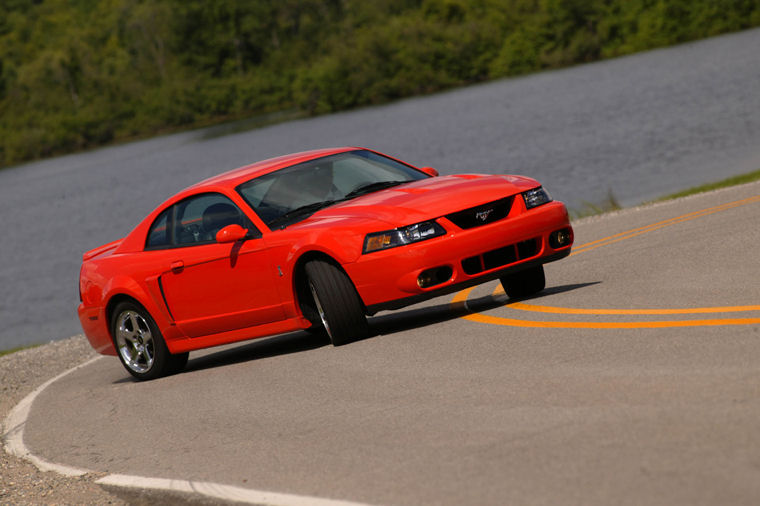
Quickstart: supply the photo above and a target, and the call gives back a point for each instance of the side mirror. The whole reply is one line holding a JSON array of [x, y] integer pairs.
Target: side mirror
[[430, 171], [231, 233]]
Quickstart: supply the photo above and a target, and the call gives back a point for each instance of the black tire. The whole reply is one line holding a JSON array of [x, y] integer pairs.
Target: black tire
[[140, 345], [178, 361], [339, 307], [524, 283]]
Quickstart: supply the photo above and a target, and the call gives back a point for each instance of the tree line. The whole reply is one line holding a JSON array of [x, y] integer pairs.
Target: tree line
[[80, 73]]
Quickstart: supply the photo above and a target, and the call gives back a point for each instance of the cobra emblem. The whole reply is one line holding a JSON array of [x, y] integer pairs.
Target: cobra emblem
[[483, 215]]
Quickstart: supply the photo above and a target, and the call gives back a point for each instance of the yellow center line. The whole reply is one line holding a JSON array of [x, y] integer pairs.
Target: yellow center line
[[535, 308], [461, 297], [496, 320], [661, 224], [567, 310]]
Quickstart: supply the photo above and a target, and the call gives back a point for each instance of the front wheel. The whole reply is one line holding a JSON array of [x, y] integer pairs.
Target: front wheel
[[339, 307], [140, 346], [524, 283]]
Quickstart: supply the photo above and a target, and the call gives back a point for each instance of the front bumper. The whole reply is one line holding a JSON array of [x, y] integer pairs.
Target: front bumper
[[389, 279]]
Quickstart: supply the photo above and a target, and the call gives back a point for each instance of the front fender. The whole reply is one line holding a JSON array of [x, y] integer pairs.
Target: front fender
[[344, 247]]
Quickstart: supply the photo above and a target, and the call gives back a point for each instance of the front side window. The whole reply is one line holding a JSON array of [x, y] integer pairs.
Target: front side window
[[195, 220], [291, 194]]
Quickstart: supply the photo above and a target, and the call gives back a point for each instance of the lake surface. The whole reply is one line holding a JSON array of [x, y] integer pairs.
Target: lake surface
[[640, 127]]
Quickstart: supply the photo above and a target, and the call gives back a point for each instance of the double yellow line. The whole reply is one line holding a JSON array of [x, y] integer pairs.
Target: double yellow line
[[521, 306], [461, 297], [661, 224]]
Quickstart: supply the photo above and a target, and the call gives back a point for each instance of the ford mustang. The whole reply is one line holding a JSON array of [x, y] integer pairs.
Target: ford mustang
[[310, 241]]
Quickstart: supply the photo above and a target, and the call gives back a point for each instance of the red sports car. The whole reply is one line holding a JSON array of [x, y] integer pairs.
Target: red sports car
[[312, 240]]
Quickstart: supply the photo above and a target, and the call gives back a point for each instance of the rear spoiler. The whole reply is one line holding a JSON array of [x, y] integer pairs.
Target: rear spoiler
[[102, 249]]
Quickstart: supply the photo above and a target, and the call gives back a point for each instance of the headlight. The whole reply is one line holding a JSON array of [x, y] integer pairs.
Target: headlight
[[400, 236], [536, 197]]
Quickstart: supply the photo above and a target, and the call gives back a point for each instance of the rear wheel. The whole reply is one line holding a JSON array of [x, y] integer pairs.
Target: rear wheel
[[139, 344], [524, 283], [335, 299]]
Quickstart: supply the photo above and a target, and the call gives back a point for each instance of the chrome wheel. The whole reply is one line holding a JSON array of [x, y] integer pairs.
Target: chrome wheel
[[319, 309], [134, 341]]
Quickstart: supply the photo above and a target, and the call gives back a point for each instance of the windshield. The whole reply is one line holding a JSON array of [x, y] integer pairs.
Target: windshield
[[292, 194]]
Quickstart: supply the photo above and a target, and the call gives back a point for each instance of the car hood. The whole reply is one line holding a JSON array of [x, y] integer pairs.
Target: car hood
[[425, 199]]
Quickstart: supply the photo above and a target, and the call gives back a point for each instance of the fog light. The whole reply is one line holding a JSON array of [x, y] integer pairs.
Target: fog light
[[561, 238], [432, 277]]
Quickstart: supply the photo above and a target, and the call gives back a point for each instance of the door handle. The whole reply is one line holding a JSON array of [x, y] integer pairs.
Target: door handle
[[177, 266]]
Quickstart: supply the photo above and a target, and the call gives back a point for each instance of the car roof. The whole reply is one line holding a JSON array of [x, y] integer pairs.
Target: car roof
[[226, 181], [240, 175]]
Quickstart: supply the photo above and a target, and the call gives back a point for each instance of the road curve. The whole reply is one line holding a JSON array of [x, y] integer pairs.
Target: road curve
[[470, 401]]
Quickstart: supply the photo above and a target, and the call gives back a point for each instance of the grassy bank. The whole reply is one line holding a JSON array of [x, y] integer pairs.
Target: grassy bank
[[14, 350], [80, 73], [725, 183], [611, 204]]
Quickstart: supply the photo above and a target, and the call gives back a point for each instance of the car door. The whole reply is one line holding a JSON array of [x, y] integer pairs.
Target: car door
[[210, 287]]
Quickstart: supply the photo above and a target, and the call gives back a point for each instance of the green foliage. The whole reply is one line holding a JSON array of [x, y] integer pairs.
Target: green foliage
[[79, 73], [725, 183], [14, 350], [609, 204]]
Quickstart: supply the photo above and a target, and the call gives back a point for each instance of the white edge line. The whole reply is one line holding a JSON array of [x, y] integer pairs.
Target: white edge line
[[13, 433], [13, 429], [219, 491]]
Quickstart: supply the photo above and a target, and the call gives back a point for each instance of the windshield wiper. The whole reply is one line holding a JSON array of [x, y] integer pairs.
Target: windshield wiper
[[303, 211], [373, 187]]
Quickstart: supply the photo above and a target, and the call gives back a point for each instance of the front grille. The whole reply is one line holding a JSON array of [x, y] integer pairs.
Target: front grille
[[500, 257], [482, 214]]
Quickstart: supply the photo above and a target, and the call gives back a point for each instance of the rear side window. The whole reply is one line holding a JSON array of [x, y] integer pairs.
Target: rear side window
[[159, 236], [195, 221]]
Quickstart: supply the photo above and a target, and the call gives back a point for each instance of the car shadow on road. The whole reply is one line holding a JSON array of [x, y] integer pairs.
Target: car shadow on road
[[284, 344], [410, 319], [391, 323]]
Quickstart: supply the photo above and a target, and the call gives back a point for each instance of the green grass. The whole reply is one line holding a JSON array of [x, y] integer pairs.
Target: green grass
[[725, 183], [591, 209], [14, 350], [611, 203]]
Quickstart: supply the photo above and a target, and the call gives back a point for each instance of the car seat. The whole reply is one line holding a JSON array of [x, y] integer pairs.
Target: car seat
[[217, 216]]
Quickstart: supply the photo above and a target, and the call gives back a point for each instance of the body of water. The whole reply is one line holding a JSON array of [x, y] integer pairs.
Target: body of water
[[640, 127]]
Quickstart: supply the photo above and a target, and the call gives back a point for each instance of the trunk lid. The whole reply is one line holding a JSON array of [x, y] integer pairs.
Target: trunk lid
[[101, 250]]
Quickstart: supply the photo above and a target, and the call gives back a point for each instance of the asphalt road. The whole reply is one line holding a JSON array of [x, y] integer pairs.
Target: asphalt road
[[633, 379], [640, 126]]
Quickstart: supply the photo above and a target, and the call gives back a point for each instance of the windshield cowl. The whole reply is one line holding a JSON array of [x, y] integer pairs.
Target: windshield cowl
[[373, 187], [304, 212], [299, 214]]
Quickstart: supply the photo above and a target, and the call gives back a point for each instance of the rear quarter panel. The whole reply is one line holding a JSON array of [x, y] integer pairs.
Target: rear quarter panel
[[131, 275]]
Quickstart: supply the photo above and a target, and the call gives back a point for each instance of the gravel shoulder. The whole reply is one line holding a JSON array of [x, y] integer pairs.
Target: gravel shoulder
[[20, 481]]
